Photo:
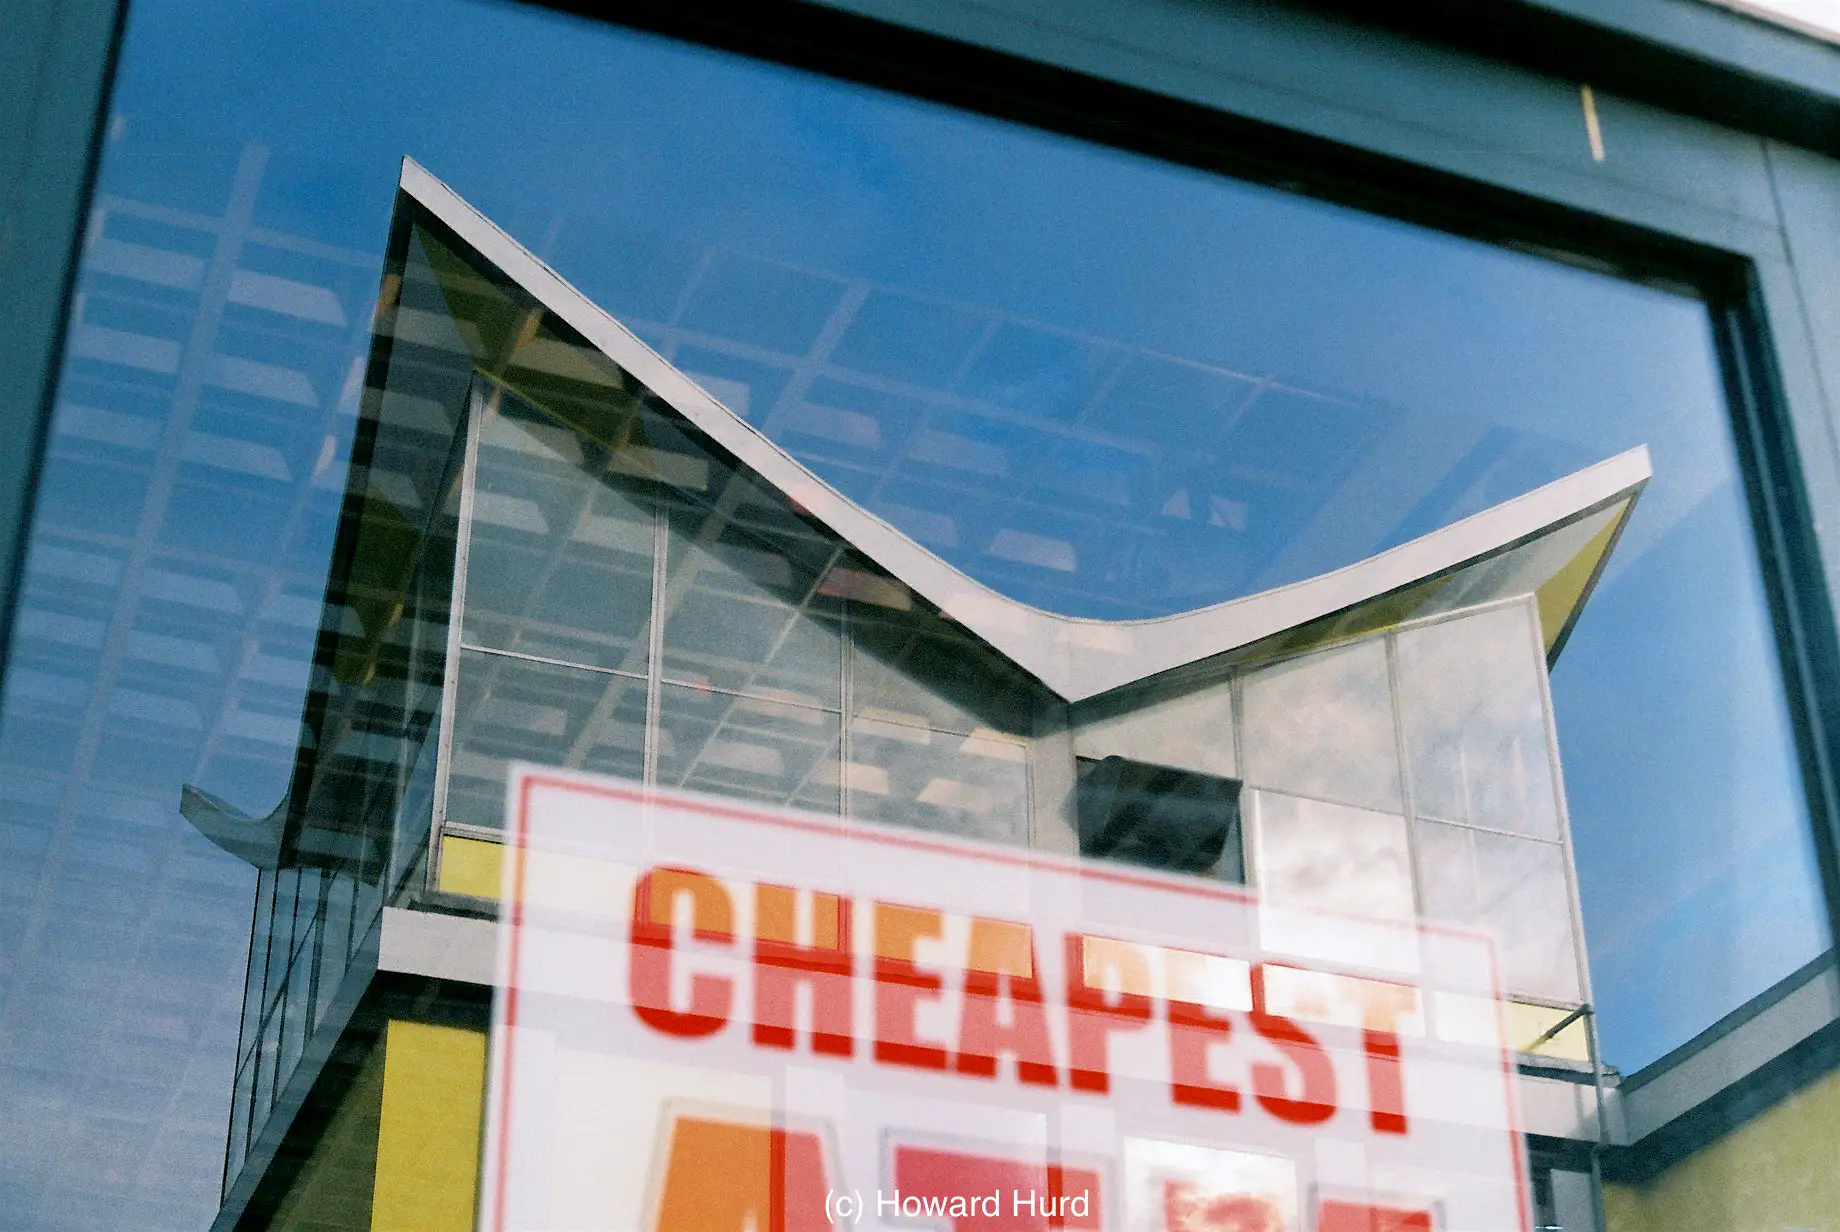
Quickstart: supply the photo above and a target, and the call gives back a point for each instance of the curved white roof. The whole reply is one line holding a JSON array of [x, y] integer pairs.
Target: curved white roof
[[1550, 542]]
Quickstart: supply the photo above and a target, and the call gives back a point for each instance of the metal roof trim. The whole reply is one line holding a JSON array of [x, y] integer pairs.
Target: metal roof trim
[[1076, 657]]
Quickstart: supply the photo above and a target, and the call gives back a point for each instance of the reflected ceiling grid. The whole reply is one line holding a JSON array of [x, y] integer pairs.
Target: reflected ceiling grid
[[1036, 493], [232, 237], [727, 724], [1051, 646], [488, 410], [798, 613], [680, 582], [632, 668], [143, 545]]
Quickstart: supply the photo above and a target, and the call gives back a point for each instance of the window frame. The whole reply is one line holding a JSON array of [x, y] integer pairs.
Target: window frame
[[1472, 119], [1273, 93]]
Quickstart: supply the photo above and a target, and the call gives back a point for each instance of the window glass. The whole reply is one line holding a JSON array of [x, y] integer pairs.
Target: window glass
[[1332, 858], [744, 610], [777, 752], [1322, 725], [1191, 729], [975, 785], [1475, 731], [1104, 385], [1334, 881], [510, 709], [1514, 889], [560, 560], [910, 666]]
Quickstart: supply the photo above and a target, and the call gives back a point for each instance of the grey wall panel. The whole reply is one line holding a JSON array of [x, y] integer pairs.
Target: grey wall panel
[[1697, 57], [1703, 30], [1381, 92], [1808, 194], [1806, 394]]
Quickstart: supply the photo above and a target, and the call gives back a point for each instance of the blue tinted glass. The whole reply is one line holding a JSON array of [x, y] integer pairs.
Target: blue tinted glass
[[1105, 385]]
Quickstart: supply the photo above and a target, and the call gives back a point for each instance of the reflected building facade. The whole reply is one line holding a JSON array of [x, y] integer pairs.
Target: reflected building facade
[[557, 549]]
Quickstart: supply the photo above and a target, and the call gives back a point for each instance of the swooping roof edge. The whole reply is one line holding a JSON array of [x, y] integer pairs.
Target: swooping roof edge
[[1076, 657]]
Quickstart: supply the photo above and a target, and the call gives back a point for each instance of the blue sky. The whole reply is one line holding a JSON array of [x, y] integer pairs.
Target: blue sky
[[1198, 387]]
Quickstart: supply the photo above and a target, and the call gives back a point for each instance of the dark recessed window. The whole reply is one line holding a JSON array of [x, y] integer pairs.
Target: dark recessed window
[[1181, 821]]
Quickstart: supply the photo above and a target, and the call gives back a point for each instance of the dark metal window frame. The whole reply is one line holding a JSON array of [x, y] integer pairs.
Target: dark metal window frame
[[1308, 101], [1715, 133], [1674, 170]]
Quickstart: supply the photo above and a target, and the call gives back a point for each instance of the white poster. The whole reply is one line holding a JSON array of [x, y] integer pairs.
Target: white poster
[[719, 1018]]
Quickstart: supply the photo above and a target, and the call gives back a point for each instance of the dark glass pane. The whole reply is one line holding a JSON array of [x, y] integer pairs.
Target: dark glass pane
[[751, 747], [1160, 817], [511, 709], [560, 560]]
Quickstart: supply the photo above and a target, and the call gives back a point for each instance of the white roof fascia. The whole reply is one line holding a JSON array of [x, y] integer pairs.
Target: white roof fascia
[[1074, 656]]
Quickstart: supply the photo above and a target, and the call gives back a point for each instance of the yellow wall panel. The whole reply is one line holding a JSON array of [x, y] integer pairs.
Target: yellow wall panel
[[471, 866], [428, 1142], [1526, 1023], [1777, 1172], [1561, 594]]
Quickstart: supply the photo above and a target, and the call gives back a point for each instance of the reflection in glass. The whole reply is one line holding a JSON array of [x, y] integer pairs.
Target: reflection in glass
[[744, 610], [1190, 730], [1520, 888], [1512, 888], [1331, 857], [911, 665], [1475, 726], [751, 747], [513, 709], [560, 560], [1322, 725], [976, 785], [180, 542]]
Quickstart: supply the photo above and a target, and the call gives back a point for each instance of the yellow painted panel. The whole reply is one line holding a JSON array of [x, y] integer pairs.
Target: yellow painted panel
[[1559, 595], [1526, 1023], [471, 866], [1780, 1170], [1623, 1210], [428, 1142]]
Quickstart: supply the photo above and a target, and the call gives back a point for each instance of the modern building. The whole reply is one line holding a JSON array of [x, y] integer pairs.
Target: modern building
[[558, 549], [1198, 436]]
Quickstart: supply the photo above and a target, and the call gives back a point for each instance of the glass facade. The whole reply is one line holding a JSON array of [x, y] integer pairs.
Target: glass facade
[[314, 568], [570, 511]]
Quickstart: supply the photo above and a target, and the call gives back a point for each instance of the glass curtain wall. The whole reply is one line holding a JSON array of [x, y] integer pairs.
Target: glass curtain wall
[[1401, 776], [635, 603], [581, 541], [1104, 384]]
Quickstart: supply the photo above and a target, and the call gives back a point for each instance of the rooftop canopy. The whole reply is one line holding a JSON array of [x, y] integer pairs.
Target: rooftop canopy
[[467, 313], [1551, 542]]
